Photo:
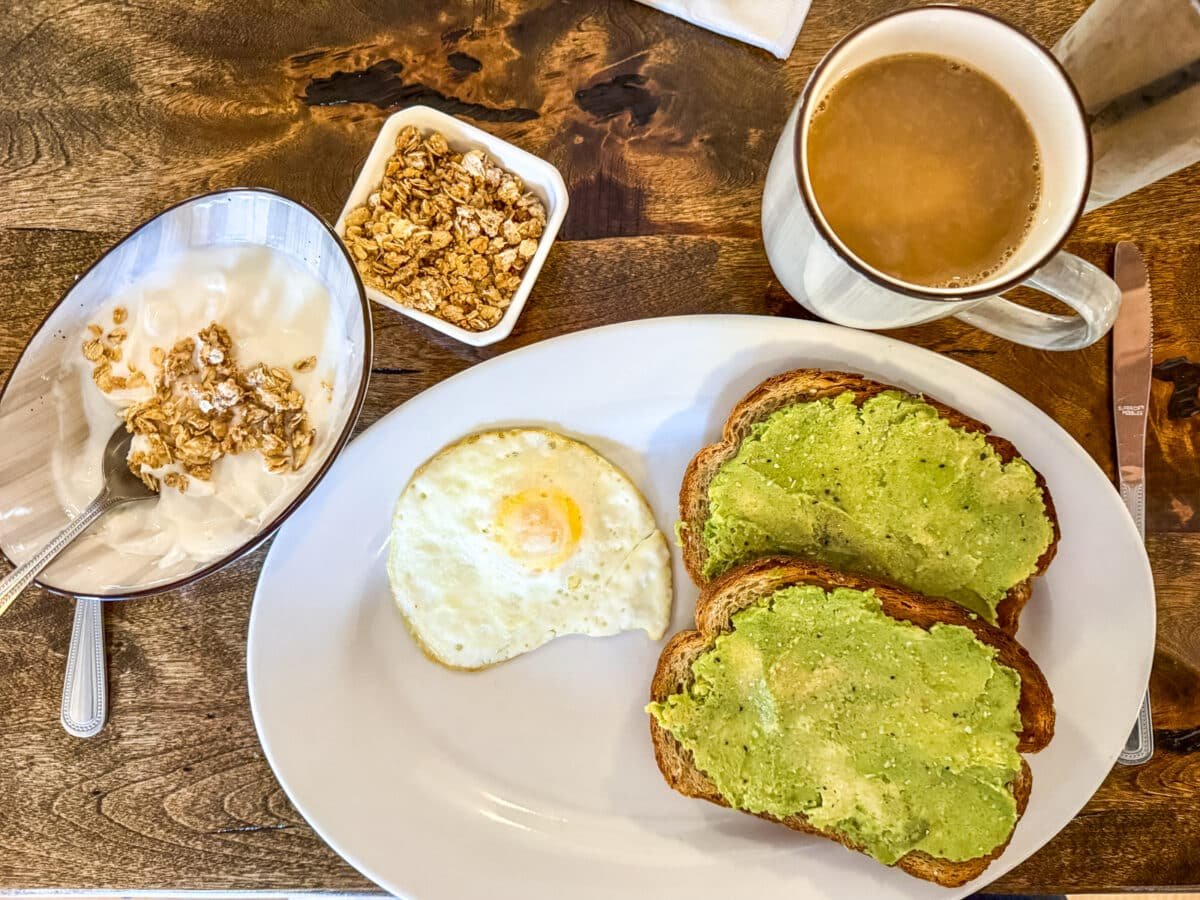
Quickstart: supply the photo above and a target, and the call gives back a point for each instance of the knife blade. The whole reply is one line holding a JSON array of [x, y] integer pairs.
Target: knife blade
[[1133, 358]]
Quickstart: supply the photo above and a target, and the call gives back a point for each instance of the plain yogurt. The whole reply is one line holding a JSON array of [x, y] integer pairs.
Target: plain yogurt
[[277, 313]]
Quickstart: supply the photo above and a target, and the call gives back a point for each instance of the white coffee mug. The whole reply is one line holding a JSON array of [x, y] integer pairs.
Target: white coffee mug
[[820, 272]]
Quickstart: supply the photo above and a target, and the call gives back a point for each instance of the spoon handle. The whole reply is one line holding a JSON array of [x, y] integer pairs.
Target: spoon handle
[[85, 687], [22, 576]]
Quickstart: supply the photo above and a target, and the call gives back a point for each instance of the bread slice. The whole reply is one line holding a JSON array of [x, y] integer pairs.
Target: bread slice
[[744, 586], [806, 385]]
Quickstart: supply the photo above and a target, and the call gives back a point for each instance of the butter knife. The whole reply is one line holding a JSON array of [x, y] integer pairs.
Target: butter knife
[[1133, 356]]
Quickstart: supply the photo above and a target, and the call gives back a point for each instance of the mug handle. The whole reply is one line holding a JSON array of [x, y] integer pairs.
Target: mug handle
[[1077, 283]]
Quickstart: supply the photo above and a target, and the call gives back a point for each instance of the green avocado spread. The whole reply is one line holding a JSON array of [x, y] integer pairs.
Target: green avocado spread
[[889, 489], [819, 703]]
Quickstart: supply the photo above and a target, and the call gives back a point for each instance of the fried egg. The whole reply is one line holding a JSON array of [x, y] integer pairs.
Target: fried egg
[[509, 539]]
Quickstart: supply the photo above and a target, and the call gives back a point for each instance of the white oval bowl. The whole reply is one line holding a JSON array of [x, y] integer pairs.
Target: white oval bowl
[[30, 422]]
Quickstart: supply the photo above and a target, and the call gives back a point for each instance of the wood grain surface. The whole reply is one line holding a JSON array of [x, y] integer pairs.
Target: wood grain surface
[[112, 110]]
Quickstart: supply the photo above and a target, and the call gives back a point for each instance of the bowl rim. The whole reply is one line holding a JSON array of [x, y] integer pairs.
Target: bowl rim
[[558, 201], [268, 530]]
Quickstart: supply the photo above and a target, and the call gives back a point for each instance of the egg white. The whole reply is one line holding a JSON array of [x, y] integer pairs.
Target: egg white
[[475, 592]]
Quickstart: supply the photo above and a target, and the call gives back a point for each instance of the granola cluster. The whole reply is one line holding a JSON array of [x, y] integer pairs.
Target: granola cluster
[[204, 406], [102, 350], [446, 233]]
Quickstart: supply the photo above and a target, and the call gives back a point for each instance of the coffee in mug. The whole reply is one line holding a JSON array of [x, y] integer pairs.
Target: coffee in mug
[[937, 197], [926, 169]]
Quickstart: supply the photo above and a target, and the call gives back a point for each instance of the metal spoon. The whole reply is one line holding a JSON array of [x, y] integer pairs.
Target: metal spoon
[[84, 704]]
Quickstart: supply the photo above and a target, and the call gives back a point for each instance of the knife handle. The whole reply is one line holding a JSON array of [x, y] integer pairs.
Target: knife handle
[[1139, 746], [1134, 495]]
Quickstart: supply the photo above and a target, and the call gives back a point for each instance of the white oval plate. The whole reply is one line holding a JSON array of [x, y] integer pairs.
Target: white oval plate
[[535, 779]]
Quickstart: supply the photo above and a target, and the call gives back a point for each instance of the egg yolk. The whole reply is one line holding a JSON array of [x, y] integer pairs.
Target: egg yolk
[[539, 527]]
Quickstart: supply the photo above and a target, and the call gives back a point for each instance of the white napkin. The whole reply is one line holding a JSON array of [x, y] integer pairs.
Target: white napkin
[[771, 24]]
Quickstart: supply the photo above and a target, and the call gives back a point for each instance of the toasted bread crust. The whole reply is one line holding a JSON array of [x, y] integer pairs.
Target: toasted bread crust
[[744, 586], [806, 385]]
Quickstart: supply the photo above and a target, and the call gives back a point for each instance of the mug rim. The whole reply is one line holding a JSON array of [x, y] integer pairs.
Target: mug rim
[[907, 288]]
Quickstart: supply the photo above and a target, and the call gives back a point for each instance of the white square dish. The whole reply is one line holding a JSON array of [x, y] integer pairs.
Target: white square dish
[[540, 177]]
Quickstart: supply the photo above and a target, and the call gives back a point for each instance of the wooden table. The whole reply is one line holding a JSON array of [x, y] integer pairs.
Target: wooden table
[[110, 111]]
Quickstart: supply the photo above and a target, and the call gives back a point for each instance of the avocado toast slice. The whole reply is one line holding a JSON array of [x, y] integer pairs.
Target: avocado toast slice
[[866, 477], [988, 770]]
